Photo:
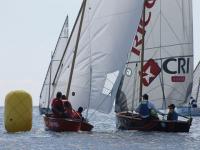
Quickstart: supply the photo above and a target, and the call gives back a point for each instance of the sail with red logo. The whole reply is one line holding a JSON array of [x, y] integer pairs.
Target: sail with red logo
[[165, 40]]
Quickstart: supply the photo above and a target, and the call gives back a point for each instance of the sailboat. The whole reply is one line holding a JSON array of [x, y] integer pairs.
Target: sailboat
[[160, 64], [89, 71], [45, 94], [193, 111]]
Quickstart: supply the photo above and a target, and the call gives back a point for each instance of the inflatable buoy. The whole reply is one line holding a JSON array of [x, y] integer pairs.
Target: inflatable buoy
[[18, 111]]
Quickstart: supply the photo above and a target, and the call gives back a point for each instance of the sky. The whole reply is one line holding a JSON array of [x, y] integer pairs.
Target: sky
[[29, 30]]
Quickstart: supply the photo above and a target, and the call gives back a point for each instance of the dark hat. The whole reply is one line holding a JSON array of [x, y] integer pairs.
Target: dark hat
[[171, 106], [145, 96], [58, 95], [80, 109]]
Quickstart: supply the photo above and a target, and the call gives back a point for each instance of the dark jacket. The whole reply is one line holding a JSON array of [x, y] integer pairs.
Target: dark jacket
[[172, 116]]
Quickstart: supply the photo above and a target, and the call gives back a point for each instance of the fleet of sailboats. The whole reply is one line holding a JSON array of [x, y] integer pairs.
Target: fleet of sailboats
[[119, 51]]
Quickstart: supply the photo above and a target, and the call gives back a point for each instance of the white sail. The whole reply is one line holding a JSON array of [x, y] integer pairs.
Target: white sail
[[196, 83], [168, 55], [105, 41], [51, 72]]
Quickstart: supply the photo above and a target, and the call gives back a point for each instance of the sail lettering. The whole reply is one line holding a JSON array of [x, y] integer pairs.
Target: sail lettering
[[141, 30], [150, 3], [180, 65], [145, 22]]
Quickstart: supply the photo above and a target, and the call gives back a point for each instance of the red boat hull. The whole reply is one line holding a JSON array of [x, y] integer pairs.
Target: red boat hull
[[129, 121], [61, 124], [65, 124], [85, 126]]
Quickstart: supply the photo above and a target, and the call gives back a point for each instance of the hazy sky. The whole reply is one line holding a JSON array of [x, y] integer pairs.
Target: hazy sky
[[29, 30]]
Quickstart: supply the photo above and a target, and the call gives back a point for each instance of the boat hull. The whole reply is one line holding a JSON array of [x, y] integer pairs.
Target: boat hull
[[85, 126], [61, 124], [44, 110], [65, 124], [129, 121]]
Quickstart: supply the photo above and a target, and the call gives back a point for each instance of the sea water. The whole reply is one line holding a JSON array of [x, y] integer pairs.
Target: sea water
[[103, 137]]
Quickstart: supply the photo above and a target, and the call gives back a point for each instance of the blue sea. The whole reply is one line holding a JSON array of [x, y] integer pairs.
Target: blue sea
[[103, 137]]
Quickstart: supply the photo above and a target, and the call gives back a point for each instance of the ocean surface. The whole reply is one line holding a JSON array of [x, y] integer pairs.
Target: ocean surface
[[103, 137]]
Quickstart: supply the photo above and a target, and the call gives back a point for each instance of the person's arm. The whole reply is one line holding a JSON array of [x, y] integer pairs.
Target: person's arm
[[151, 106]]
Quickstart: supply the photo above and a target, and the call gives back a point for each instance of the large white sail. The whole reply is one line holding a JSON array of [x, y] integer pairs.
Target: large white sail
[[55, 61], [105, 41], [168, 56]]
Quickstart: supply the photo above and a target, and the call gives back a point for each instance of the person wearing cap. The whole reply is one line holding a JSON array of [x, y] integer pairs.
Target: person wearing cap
[[193, 102], [146, 109], [78, 114], [172, 115]]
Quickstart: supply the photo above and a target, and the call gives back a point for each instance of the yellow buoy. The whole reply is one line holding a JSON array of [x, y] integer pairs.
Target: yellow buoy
[[18, 111]]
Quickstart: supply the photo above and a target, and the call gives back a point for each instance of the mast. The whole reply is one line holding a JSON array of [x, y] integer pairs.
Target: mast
[[142, 52], [162, 79], [76, 48], [90, 68], [60, 64]]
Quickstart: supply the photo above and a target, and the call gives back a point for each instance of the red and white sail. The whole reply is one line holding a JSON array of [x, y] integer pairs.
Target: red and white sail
[[168, 56]]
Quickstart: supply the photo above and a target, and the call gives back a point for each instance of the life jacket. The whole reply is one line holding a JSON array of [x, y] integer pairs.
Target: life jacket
[[57, 107], [69, 113], [144, 109]]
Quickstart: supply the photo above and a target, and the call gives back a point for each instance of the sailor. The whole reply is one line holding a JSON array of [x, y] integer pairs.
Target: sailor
[[57, 105], [64, 97], [193, 102], [79, 114], [68, 110], [172, 115], [146, 109]]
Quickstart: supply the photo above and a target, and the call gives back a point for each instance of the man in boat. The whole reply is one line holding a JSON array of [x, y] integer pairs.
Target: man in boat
[[57, 105], [193, 102], [146, 109], [64, 97], [79, 113], [172, 115], [68, 111]]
